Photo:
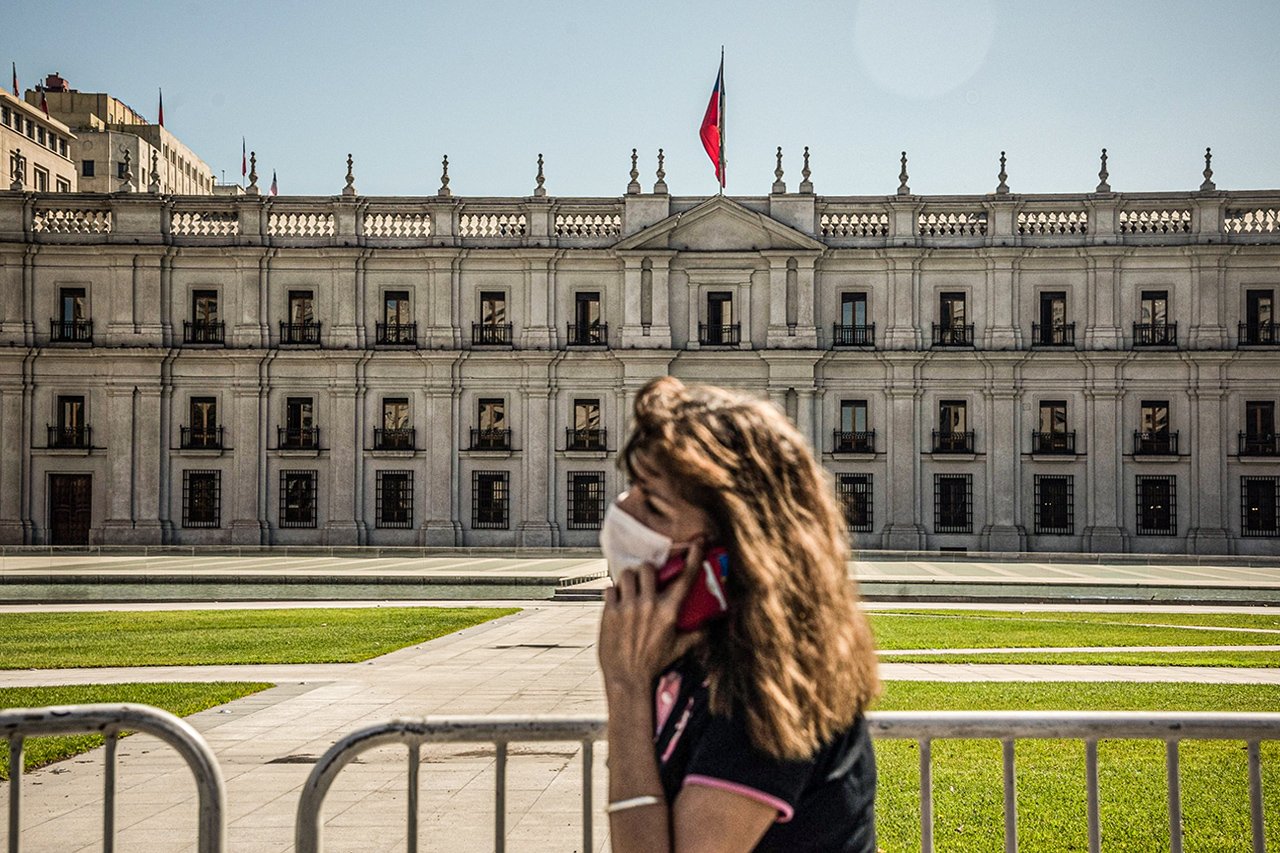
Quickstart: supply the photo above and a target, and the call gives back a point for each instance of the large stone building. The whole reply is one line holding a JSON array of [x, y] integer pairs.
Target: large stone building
[[38, 149], [1091, 372]]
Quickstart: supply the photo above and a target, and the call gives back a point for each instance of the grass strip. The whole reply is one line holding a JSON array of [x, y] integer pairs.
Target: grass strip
[[1255, 660], [210, 637], [181, 698], [967, 783]]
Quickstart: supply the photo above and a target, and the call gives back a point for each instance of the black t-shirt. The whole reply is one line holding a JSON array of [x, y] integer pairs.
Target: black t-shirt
[[824, 804]]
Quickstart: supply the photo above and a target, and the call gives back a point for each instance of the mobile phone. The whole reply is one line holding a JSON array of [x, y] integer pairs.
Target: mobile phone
[[706, 599]]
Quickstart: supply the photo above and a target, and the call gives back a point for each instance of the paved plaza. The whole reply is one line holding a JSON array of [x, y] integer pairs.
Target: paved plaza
[[540, 661]]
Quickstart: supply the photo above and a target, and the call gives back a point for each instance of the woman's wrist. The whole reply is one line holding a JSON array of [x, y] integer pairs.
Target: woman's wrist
[[625, 690]]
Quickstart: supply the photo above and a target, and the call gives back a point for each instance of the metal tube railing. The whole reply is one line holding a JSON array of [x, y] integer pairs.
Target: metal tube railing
[[19, 723]]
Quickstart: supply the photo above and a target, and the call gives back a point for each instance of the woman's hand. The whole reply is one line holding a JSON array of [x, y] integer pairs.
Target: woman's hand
[[638, 635]]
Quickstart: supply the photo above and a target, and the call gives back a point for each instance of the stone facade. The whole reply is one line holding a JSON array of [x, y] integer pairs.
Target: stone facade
[[38, 151], [1006, 372]]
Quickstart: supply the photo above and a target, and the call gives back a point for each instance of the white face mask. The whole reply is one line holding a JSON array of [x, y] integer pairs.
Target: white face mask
[[627, 542]]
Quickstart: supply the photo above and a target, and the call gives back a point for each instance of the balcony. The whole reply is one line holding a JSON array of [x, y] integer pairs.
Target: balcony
[[1259, 444], [1053, 335], [1155, 334], [853, 336], [1259, 335], [300, 333], [952, 442], [396, 334], [588, 335], [491, 334], [1054, 442], [490, 439], [205, 438], [853, 442], [585, 439], [1155, 443], [956, 335], [71, 331], [298, 438], [402, 438], [203, 331], [75, 437], [719, 336]]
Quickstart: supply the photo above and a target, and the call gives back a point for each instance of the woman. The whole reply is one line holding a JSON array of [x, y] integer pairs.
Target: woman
[[746, 734]]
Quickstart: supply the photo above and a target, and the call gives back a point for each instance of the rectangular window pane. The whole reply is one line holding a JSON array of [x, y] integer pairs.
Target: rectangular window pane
[[1157, 506], [297, 498], [395, 413], [1155, 306], [73, 305], [70, 413], [1260, 506], [493, 414], [1055, 513], [395, 309], [395, 499], [853, 309], [952, 311], [301, 307], [586, 500], [855, 493], [1053, 416], [720, 309], [953, 499], [952, 416], [586, 414], [1155, 416], [201, 498], [490, 500], [204, 414], [204, 306], [493, 308]]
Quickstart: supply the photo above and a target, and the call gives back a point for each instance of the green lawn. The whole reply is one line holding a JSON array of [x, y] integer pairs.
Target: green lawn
[[179, 698], [205, 637], [1051, 794]]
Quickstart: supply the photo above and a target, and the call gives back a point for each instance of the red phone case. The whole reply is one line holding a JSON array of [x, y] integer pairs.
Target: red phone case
[[706, 599]]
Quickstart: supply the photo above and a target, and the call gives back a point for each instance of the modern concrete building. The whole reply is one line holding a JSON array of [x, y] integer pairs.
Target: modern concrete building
[[1092, 372], [37, 149], [106, 128]]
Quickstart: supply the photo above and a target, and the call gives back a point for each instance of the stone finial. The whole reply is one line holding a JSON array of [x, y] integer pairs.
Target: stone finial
[[1103, 174], [540, 190], [1208, 185], [350, 189], [660, 185], [154, 186], [633, 188], [252, 189], [444, 191], [19, 171], [126, 183], [903, 189], [1003, 187], [778, 185], [806, 185]]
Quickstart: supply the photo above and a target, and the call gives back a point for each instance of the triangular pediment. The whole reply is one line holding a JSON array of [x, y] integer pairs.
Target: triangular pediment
[[719, 224]]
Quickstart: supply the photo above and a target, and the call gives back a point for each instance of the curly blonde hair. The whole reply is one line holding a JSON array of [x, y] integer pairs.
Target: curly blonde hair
[[795, 654]]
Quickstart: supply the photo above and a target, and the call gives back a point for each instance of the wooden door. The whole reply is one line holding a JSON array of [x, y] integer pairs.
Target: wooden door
[[70, 507]]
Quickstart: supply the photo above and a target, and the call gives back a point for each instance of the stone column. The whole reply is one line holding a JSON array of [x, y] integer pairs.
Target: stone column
[[660, 302], [903, 272], [1002, 331], [806, 329], [539, 286], [1210, 493], [1105, 531], [338, 435], [119, 436], [777, 336], [537, 444], [1102, 329], [441, 526], [1208, 294], [14, 457], [904, 531], [1002, 531], [247, 433]]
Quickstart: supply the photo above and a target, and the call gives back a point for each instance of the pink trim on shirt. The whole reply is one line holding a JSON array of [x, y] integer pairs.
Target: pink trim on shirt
[[664, 700], [785, 811]]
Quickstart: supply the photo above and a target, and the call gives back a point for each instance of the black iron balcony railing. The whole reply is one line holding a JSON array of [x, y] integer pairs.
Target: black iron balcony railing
[[490, 439], [1053, 335], [299, 333], [203, 331], [71, 331], [1259, 334], [955, 335], [1155, 443], [298, 438], [1259, 444], [1053, 442], [1155, 334], [584, 439], [400, 438], [952, 442], [843, 441], [853, 336], [729, 335], [202, 438], [491, 334], [588, 335], [396, 334], [70, 436]]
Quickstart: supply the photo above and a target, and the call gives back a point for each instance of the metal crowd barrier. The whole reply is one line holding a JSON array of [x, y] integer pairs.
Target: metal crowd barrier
[[108, 720], [924, 727]]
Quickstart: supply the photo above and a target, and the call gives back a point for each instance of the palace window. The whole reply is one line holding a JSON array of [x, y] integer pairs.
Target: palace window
[[201, 498], [299, 430], [204, 327], [952, 330], [1259, 505], [853, 330], [395, 432], [586, 432], [1154, 328], [301, 327], [493, 328], [397, 326], [1259, 436], [490, 500], [87, 168], [1053, 435], [952, 503], [855, 494], [203, 430], [71, 429], [586, 328], [395, 499], [853, 435], [1053, 329], [1154, 436], [1259, 326], [1157, 506], [1055, 510], [953, 434], [586, 500], [492, 432], [297, 498], [720, 328]]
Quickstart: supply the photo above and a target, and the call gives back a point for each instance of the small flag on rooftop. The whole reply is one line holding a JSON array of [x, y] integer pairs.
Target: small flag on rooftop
[[44, 105], [15, 81], [275, 188], [712, 130], [162, 107], [244, 160]]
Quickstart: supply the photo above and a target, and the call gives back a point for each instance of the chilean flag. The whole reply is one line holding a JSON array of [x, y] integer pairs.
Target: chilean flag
[[712, 130], [162, 107]]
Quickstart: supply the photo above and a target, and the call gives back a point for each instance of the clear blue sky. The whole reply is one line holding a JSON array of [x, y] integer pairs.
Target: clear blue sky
[[494, 83]]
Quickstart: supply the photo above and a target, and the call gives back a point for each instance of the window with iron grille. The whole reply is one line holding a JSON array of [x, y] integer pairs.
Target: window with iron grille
[[297, 498], [1055, 509], [490, 500], [395, 499], [586, 500], [1259, 505], [952, 503], [201, 498], [855, 493], [1157, 506]]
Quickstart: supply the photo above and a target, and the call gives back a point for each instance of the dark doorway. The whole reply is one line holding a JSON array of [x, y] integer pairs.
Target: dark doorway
[[69, 508]]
